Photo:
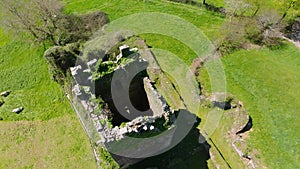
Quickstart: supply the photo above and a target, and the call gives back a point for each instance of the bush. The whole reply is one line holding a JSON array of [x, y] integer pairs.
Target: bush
[[46, 22], [273, 43], [123, 124], [80, 28], [60, 61], [107, 162], [252, 31], [263, 29], [233, 36], [94, 21]]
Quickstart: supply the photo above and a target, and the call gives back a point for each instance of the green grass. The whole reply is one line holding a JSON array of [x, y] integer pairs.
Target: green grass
[[56, 143], [172, 45], [181, 77], [268, 83], [206, 21], [217, 3], [47, 133], [25, 72]]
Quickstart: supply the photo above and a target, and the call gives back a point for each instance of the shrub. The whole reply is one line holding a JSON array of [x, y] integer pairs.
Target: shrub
[[46, 22], [123, 124], [263, 29], [107, 162], [233, 36], [252, 31], [60, 61], [95, 20]]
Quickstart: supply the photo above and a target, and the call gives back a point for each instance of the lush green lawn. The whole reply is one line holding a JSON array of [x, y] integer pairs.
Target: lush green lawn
[[49, 134], [268, 83], [25, 72], [56, 143], [208, 22]]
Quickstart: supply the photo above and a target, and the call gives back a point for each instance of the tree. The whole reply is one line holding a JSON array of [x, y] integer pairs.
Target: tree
[[287, 5], [254, 21], [232, 36], [256, 5], [270, 25], [46, 22], [38, 17], [237, 7]]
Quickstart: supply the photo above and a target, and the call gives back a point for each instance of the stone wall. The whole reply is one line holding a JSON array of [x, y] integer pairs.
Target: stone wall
[[157, 103]]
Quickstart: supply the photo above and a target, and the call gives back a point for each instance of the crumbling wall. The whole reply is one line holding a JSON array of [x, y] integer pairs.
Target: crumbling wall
[[157, 103], [161, 120]]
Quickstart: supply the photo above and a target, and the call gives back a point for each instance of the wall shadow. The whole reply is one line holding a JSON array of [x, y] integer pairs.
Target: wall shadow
[[191, 153], [137, 95]]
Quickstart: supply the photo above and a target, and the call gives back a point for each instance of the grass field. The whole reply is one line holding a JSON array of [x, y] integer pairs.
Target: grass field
[[208, 22], [25, 72], [47, 134], [267, 81], [56, 143]]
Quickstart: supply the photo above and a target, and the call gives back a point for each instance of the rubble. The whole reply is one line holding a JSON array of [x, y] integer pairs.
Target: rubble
[[92, 62], [5, 93], [76, 90], [75, 69], [18, 110]]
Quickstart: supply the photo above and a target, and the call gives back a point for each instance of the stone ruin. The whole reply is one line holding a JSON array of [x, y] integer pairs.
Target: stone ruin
[[141, 124], [118, 132], [115, 134], [157, 104]]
